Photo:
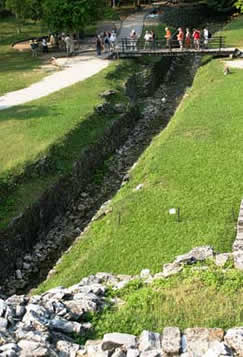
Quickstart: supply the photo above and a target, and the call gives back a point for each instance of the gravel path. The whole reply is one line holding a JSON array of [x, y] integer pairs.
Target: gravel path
[[75, 69]]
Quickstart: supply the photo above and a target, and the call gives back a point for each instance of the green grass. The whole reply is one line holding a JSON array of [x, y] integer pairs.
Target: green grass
[[195, 164], [190, 299], [18, 69], [58, 126], [233, 33]]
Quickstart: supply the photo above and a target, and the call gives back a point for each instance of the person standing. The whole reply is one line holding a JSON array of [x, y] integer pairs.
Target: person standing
[[168, 37], [205, 36], [133, 37], [68, 43], [98, 45], [188, 39], [113, 39], [180, 38], [147, 39], [196, 37], [44, 46]]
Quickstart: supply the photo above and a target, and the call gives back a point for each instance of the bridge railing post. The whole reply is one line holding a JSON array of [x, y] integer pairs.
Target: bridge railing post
[[220, 42]]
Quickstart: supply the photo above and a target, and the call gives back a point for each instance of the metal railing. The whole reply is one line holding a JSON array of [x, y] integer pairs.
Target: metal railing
[[126, 45]]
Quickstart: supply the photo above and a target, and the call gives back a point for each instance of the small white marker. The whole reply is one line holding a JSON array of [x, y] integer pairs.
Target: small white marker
[[172, 211]]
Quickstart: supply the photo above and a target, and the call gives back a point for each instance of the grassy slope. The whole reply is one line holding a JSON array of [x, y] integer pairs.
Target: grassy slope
[[59, 126], [195, 164], [192, 298], [17, 69]]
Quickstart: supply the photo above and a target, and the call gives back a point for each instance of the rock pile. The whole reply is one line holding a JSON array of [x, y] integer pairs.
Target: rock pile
[[192, 342], [45, 325]]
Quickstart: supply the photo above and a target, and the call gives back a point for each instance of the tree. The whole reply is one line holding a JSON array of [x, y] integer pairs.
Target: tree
[[71, 15], [20, 8], [239, 5], [221, 5]]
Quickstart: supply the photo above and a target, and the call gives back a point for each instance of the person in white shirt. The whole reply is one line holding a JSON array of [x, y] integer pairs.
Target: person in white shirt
[[113, 39], [147, 39], [205, 36]]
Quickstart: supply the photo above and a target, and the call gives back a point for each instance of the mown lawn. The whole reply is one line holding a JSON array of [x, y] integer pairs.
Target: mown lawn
[[196, 164], [18, 69], [58, 126]]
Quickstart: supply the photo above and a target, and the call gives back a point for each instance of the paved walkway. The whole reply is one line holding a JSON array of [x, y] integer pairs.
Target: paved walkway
[[135, 22], [75, 69]]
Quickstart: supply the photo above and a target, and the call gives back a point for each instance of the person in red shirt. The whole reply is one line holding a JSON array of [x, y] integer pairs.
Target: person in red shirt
[[180, 37], [196, 37]]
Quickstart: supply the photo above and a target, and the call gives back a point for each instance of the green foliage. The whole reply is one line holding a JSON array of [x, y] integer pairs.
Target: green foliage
[[221, 5], [239, 5], [71, 15]]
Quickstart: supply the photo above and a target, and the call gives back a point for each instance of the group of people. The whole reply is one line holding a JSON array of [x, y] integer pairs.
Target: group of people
[[62, 41], [189, 39], [35, 46], [105, 41]]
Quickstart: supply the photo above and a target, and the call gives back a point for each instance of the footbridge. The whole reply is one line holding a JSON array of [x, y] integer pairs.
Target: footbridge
[[216, 46]]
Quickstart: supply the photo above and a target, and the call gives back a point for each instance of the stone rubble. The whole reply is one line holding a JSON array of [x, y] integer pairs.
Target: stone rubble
[[45, 325]]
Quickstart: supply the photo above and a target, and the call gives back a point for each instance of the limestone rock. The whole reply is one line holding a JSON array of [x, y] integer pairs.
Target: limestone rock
[[218, 349], [145, 274], [33, 349], [65, 326], [133, 352], [108, 93], [113, 340], [222, 259], [196, 254], [198, 340], [154, 353], [238, 260], [3, 323], [149, 341], [171, 340], [67, 349], [171, 269], [234, 339]]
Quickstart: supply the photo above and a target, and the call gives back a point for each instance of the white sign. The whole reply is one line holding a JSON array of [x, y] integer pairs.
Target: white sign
[[172, 211]]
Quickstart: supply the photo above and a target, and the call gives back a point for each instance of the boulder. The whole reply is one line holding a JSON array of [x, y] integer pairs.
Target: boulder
[[149, 341], [114, 340], [153, 353], [133, 352], [67, 349], [195, 255], [222, 259], [68, 327], [238, 260], [33, 349], [171, 269], [198, 340], [108, 93], [171, 340], [234, 339], [218, 349]]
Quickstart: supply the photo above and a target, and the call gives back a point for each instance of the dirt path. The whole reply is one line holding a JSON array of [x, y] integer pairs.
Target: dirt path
[[74, 70]]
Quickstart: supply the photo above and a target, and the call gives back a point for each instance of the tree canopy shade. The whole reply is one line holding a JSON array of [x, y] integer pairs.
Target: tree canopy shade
[[71, 15], [221, 5]]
